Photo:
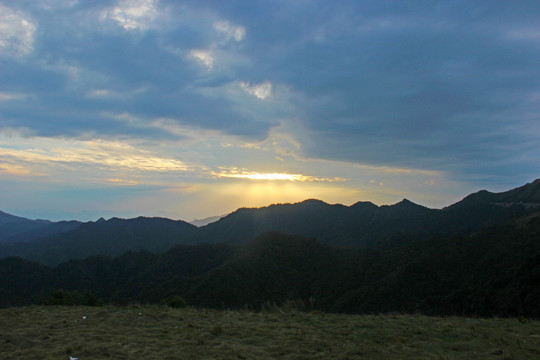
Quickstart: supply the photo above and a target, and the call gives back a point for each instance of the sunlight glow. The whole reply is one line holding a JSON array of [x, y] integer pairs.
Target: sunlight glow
[[123, 182], [228, 197], [241, 174], [274, 176]]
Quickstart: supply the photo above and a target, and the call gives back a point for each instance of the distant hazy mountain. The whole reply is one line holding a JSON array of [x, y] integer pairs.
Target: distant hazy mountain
[[206, 221], [15, 229]]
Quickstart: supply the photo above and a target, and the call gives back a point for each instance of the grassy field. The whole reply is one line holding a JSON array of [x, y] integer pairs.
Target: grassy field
[[154, 332]]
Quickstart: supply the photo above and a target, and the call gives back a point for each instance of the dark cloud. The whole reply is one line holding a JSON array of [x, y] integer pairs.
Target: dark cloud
[[436, 88], [438, 85]]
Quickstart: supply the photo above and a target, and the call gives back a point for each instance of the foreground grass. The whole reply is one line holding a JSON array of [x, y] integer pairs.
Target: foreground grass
[[153, 332]]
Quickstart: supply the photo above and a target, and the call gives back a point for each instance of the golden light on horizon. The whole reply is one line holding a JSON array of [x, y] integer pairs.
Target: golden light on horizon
[[241, 174], [270, 176], [245, 193]]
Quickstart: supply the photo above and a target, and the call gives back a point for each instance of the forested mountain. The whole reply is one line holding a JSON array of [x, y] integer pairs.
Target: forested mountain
[[494, 271], [361, 225], [112, 237], [15, 229], [480, 256], [6, 218], [527, 195]]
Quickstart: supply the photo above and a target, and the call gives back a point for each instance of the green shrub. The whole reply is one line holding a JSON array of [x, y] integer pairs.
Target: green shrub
[[175, 302], [62, 297], [58, 297]]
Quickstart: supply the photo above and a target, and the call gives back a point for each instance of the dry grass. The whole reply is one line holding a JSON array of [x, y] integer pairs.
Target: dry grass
[[153, 332]]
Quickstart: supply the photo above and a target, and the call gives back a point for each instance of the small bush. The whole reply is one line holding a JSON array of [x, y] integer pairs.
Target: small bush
[[62, 297], [58, 297], [175, 302]]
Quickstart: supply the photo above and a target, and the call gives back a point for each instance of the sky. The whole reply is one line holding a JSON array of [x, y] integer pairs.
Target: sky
[[190, 109]]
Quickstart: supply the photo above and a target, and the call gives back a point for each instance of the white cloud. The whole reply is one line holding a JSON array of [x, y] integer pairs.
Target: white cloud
[[527, 34], [133, 14], [110, 93], [16, 32], [204, 57], [227, 32], [99, 93], [57, 4], [7, 96], [45, 155], [230, 31], [262, 90]]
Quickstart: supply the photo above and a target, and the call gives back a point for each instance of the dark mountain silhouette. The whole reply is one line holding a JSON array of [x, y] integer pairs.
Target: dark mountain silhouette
[[15, 229], [491, 272], [354, 226], [112, 237], [22, 280], [174, 272], [527, 195], [6, 218], [363, 223], [358, 226], [275, 268]]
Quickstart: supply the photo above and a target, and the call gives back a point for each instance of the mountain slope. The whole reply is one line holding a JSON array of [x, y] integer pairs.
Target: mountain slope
[[173, 273], [358, 226], [495, 271], [6, 218], [21, 281], [111, 238], [527, 195], [15, 229], [274, 268], [492, 272], [364, 223]]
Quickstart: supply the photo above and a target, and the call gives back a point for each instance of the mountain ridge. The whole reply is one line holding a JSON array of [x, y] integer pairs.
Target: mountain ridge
[[360, 225], [526, 194], [14, 229], [363, 223], [111, 237]]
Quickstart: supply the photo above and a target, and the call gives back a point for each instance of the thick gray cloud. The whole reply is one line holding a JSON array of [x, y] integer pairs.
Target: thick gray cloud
[[451, 86]]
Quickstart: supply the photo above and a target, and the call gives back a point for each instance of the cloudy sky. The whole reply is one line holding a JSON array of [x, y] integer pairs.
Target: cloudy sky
[[188, 109]]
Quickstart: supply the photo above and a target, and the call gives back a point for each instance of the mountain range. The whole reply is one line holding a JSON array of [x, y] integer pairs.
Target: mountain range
[[491, 272], [15, 229], [478, 257], [361, 225]]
